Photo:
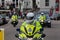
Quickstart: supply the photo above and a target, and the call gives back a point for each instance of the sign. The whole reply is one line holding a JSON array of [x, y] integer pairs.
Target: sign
[[1, 34]]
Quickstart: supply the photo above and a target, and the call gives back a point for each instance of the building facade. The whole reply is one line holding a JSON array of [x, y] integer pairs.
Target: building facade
[[28, 4], [44, 5]]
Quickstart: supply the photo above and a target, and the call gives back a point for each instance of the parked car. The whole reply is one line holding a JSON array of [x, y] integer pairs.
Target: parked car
[[47, 21], [54, 17], [58, 17], [3, 19]]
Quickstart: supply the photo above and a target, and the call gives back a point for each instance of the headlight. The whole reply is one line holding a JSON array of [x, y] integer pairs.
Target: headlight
[[19, 37], [48, 21], [41, 20]]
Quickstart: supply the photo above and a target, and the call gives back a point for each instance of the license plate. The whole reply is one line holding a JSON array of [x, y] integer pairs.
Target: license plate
[[13, 22], [41, 23]]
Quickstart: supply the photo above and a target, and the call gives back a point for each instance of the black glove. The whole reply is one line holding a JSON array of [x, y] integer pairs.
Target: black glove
[[16, 35], [43, 35], [42, 29]]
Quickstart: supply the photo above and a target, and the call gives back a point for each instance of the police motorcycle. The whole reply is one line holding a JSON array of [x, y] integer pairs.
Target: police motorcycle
[[14, 23], [42, 22], [29, 32]]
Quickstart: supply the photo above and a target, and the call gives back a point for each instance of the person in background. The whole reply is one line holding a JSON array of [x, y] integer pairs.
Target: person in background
[[14, 19], [42, 18]]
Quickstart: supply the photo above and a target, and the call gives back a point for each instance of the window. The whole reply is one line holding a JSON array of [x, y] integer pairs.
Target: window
[[34, 3], [3, 2], [27, 3], [46, 2], [22, 0], [16, 2], [13, 0], [57, 5]]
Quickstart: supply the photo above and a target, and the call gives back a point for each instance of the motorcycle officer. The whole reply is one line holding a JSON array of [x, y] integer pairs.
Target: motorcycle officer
[[30, 20], [14, 18], [42, 17]]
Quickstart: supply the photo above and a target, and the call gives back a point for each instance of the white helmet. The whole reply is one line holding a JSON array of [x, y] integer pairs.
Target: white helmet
[[42, 13], [30, 16]]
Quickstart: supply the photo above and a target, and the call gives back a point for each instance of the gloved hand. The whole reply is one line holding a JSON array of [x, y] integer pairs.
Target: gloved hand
[[41, 31], [16, 35], [43, 35]]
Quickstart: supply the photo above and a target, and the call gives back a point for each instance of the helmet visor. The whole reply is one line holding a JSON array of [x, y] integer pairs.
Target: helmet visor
[[29, 18]]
